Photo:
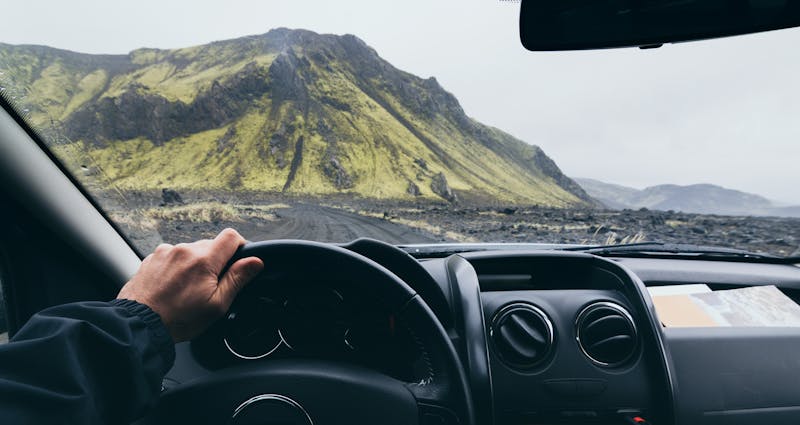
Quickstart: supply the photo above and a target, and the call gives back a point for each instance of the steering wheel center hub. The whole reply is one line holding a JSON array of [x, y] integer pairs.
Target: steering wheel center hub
[[270, 409]]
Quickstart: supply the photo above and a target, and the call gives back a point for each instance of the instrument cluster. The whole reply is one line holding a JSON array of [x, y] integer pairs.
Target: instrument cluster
[[301, 319]]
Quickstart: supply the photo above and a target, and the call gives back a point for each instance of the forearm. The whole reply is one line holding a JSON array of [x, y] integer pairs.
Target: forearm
[[86, 363]]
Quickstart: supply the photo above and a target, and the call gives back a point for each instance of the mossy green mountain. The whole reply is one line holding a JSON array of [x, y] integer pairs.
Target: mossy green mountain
[[287, 111]]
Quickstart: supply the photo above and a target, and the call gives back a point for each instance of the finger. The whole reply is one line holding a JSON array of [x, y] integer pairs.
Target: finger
[[162, 248], [237, 276], [204, 243], [224, 246]]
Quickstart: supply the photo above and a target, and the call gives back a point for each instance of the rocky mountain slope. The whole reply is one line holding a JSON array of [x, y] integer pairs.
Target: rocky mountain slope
[[288, 111], [697, 198]]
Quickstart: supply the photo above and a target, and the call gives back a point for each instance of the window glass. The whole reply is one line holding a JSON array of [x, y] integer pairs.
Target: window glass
[[193, 118], [3, 310]]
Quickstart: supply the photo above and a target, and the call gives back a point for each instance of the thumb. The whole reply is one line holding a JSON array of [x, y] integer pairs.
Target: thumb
[[238, 275]]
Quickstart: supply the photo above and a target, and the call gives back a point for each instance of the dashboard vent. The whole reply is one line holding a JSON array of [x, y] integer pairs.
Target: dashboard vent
[[607, 334], [522, 335]]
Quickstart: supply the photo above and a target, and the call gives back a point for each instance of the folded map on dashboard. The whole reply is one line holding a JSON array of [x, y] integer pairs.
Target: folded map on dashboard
[[697, 305]]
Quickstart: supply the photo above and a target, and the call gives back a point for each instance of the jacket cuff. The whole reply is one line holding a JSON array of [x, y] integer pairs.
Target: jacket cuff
[[161, 337]]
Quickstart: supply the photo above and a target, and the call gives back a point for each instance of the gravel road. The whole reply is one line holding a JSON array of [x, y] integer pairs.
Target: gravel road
[[301, 221], [325, 224]]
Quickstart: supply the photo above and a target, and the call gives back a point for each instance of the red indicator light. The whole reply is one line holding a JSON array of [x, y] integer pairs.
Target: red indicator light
[[639, 420]]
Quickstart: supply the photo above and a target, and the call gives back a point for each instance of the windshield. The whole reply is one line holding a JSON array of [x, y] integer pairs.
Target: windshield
[[411, 123]]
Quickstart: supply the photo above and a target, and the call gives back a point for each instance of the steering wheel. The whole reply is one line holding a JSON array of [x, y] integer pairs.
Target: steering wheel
[[306, 392]]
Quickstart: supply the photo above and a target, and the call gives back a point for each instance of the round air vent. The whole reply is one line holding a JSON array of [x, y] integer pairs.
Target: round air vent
[[606, 334], [522, 335]]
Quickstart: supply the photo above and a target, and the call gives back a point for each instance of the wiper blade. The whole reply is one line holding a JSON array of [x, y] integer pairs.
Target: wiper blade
[[662, 247], [685, 251], [632, 250], [446, 249]]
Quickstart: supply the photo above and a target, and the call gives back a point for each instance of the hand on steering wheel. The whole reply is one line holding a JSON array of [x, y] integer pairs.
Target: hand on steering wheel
[[303, 391]]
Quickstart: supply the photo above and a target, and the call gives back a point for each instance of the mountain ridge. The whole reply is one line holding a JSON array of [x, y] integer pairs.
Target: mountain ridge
[[701, 198], [288, 110]]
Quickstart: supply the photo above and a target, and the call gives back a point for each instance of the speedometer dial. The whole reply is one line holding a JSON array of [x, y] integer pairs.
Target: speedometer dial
[[252, 328]]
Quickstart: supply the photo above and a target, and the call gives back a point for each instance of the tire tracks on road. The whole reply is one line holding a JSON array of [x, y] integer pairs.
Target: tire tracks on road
[[326, 224]]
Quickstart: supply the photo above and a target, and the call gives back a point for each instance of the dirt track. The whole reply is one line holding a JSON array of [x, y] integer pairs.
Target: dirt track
[[325, 224], [302, 221]]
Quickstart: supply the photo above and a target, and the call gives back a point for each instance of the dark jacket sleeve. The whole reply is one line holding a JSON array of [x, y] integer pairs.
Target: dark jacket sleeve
[[84, 363]]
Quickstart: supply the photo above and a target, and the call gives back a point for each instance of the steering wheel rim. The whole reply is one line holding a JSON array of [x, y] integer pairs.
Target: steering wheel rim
[[443, 396]]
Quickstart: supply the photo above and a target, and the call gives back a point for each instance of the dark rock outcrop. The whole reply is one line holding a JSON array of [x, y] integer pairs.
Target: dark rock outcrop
[[413, 189], [336, 173], [139, 113], [549, 168], [170, 197], [287, 73], [440, 187]]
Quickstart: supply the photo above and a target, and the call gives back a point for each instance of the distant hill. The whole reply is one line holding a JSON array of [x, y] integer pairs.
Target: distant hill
[[697, 198], [288, 111], [792, 211], [611, 195]]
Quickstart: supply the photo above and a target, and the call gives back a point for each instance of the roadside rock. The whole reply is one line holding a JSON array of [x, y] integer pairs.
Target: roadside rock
[[413, 189], [170, 197], [440, 187]]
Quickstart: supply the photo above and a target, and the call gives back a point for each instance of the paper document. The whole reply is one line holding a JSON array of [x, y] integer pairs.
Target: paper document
[[678, 289], [751, 306]]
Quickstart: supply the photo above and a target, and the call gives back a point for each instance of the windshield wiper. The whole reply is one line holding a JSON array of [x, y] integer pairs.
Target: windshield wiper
[[631, 250], [441, 250], [684, 251]]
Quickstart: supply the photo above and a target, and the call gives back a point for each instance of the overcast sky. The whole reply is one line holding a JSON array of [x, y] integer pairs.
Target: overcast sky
[[725, 112]]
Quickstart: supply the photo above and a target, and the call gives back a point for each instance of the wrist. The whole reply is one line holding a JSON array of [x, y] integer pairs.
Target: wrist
[[161, 337]]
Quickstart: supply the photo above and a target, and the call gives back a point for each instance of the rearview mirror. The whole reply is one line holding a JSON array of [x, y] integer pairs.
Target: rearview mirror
[[597, 24]]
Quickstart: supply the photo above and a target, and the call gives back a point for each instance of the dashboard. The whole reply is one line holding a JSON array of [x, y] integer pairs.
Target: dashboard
[[544, 337], [570, 339]]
